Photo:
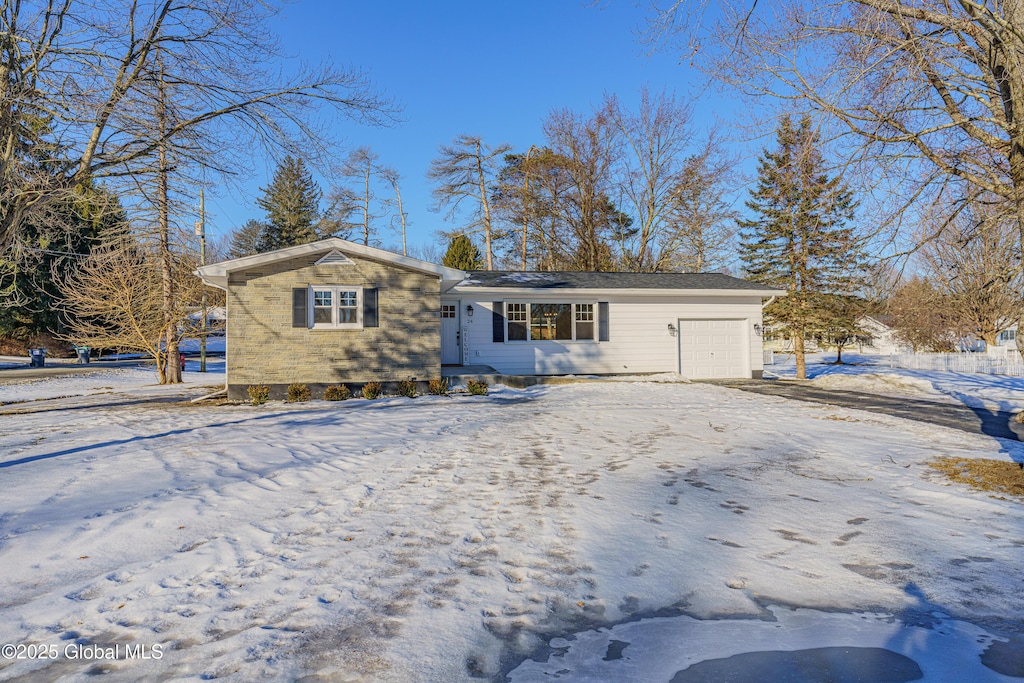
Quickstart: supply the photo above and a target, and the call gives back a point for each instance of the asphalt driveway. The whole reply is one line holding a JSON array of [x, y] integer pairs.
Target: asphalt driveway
[[993, 423]]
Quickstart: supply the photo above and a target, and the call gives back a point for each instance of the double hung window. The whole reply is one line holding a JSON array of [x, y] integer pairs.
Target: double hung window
[[336, 307]]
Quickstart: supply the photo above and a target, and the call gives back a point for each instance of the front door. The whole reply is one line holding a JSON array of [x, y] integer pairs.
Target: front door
[[451, 350]]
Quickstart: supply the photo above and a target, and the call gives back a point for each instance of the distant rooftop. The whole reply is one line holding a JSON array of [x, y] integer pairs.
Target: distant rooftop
[[586, 280]]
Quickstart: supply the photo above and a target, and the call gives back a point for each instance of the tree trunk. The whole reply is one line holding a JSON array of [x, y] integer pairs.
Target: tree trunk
[[798, 353], [1017, 176], [366, 204], [172, 373], [485, 205]]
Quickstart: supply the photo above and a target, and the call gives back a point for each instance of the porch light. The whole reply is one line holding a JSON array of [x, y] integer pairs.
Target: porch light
[[757, 329], [672, 329], [469, 310]]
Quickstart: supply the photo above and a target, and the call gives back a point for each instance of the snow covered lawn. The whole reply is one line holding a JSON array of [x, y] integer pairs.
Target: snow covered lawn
[[436, 539]]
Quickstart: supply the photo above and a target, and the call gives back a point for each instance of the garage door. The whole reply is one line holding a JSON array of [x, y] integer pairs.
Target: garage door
[[713, 348]]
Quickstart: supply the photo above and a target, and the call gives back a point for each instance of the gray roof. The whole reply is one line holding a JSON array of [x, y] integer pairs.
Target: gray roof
[[587, 280]]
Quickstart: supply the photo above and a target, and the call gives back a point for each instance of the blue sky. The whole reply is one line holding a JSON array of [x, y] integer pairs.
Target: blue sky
[[482, 68]]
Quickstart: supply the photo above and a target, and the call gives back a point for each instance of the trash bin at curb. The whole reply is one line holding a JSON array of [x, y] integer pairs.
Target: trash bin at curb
[[37, 357], [83, 354]]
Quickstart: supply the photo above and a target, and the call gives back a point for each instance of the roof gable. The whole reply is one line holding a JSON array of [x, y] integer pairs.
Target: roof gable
[[338, 252]]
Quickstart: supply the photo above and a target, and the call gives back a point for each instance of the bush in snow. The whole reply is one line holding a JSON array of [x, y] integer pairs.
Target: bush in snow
[[476, 388], [258, 394], [438, 387], [407, 387], [337, 393], [298, 393], [371, 390]]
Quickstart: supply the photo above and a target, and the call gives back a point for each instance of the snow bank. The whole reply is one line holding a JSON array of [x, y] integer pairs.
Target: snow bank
[[872, 374]]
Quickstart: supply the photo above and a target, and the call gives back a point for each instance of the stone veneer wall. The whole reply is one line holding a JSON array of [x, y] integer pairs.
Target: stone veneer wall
[[263, 347]]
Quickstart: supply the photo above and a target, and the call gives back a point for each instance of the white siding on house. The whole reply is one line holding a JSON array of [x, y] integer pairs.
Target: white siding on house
[[640, 340]]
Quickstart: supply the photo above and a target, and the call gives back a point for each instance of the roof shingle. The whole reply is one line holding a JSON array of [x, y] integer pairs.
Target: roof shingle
[[587, 280]]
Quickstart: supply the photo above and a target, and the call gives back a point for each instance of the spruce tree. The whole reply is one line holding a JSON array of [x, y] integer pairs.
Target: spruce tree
[[247, 240], [292, 203], [462, 254], [798, 239]]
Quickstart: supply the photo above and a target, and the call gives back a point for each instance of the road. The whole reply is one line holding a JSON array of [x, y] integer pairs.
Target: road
[[11, 375]]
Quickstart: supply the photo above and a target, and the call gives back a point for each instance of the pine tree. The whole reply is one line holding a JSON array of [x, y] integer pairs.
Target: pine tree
[[52, 244], [798, 239], [246, 240], [462, 254], [292, 203]]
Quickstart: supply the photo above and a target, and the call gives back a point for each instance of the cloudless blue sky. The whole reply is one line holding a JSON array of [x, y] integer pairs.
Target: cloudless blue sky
[[494, 69]]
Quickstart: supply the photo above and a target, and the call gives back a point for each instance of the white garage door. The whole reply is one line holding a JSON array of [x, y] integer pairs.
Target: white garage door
[[713, 348]]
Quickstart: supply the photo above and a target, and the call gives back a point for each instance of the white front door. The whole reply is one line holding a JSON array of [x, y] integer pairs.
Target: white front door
[[713, 349], [451, 353]]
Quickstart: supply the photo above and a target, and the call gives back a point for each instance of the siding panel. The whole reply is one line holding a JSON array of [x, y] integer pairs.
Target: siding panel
[[640, 339]]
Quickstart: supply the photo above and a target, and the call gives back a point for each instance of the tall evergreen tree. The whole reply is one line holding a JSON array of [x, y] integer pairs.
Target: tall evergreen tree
[[50, 247], [246, 240], [292, 203], [798, 239], [462, 254]]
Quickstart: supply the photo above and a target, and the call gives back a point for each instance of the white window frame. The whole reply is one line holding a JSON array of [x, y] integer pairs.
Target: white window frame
[[529, 317], [336, 291]]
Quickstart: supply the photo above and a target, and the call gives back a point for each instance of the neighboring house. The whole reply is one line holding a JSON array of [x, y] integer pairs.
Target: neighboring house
[[879, 337], [1008, 337], [216, 319], [1005, 341], [876, 337], [335, 311]]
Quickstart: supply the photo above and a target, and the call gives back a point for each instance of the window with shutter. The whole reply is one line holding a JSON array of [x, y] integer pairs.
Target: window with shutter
[[498, 322], [335, 307], [603, 322]]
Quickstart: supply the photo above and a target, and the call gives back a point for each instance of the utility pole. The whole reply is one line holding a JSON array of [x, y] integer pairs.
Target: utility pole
[[201, 234]]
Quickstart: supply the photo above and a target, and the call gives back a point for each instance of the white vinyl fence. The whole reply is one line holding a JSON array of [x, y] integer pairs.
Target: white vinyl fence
[[769, 357], [1001, 364]]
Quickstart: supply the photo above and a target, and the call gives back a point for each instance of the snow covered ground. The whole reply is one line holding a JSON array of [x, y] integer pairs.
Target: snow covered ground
[[596, 531], [138, 381], [873, 374]]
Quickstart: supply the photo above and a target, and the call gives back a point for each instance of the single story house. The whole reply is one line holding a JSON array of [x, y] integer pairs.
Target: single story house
[[334, 311], [879, 336]]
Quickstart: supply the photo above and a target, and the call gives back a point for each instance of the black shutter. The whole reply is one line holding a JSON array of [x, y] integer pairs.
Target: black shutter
[[498, 322], [370, 316], [300, 313], [602, 321]]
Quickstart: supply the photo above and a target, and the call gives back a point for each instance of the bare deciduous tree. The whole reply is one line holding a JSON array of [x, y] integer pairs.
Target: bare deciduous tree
[[655, 139], [359, 168], [919, 316], [465, 170], [932, 90], [74, 76], [400, 216], [585, 150], [976, 263], [115, 300], [699, 236]]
